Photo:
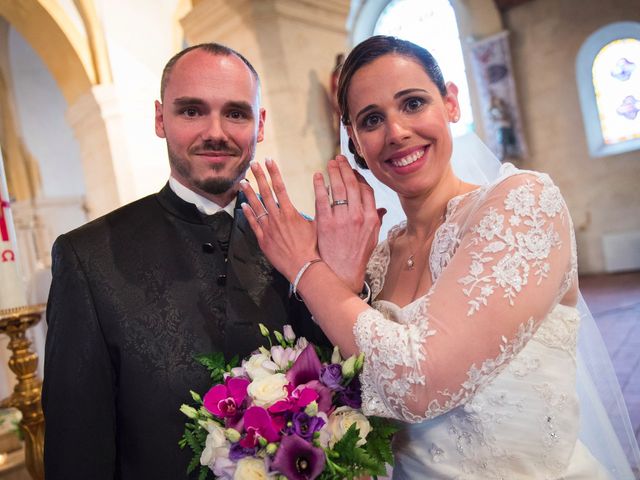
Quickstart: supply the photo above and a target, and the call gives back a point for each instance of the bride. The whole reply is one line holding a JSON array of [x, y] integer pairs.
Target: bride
[[471, 334]]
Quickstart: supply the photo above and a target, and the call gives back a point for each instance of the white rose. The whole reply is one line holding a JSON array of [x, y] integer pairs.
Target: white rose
[[341, 419], [216, 444], [256, 366], [268, 390], [250, 468]]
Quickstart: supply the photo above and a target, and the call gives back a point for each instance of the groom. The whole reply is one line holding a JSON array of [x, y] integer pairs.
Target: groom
[[137, 293]]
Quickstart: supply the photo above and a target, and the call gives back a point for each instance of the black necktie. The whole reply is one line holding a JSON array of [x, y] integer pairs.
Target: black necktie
[[221, 223]]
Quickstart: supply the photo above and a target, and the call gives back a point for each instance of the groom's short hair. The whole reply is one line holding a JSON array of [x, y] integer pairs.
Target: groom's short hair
[[213, 49]]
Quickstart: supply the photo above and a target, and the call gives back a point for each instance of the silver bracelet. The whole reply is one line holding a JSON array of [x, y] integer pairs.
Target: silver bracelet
[[365, 294], [303, 269]]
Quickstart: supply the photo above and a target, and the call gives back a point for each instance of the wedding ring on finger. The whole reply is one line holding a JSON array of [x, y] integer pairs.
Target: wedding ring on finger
[[263, 214], [340, 202]]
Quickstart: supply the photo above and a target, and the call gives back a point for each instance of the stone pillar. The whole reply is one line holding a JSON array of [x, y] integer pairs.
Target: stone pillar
[[97, 124], [122, 159], [292, 45]]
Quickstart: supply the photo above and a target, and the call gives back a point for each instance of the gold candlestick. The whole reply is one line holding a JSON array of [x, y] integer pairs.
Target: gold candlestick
[[26, 395]]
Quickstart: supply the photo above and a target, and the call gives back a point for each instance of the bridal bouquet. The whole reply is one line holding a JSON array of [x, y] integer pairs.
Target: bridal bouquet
[[289, 411]]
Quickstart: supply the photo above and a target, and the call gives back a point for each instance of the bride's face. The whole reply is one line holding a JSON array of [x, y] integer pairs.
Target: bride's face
[[400, 123]]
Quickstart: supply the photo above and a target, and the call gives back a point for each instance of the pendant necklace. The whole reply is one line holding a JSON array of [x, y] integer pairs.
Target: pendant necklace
[[411, 261]]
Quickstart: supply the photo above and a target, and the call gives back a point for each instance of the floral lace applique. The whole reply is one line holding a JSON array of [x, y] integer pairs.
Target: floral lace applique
[[473, 431], [445, 243], [521, 253], [560, 331], [551, 425], [388, 345]]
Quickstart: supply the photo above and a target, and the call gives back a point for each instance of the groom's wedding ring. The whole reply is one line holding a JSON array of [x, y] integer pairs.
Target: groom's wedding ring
[[340, 202], [264, 214]]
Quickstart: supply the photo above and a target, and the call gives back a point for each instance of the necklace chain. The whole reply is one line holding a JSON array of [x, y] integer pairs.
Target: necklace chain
[[411, 260]]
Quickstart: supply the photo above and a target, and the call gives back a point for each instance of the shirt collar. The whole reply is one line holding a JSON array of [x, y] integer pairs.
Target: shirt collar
[[204, 205]]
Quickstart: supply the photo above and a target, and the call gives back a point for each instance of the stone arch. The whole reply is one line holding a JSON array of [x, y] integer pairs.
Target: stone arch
[[78, 63], [45, 26]]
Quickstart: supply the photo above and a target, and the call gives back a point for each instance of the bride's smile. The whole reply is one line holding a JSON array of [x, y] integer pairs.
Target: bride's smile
[[401, 160]]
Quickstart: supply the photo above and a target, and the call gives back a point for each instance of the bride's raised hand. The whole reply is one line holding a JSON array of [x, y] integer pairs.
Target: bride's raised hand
[[287, 238], [348, 227]]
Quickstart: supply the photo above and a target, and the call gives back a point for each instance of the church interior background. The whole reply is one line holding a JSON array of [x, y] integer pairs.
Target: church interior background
[[78, 79]]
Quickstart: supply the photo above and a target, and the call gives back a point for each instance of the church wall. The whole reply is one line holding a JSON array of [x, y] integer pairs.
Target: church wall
[[602, 193]]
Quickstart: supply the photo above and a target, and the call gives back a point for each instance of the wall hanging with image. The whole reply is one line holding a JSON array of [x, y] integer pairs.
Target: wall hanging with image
[[496, 88]]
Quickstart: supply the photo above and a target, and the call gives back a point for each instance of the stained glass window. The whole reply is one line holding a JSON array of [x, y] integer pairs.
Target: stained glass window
[[616, 83], [432, 25]]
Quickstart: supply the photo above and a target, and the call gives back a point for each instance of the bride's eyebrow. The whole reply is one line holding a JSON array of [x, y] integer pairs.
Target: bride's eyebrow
[[408, 91]]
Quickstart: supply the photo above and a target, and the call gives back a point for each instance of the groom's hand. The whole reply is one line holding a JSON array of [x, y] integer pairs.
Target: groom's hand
[[347, 226]]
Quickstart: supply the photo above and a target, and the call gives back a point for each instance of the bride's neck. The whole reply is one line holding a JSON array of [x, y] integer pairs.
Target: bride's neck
[[426, 211]]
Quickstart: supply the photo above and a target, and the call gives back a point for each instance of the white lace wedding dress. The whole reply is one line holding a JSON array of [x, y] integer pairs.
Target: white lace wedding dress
[[483, 367]]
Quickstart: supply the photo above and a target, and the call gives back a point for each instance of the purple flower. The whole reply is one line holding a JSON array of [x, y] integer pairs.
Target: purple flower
[[297, 459], [237, 451], [305, 426], [351, 396], [306, 367], [331, 376]]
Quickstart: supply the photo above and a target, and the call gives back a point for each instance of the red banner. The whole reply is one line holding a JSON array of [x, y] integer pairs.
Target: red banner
[[4, 228]]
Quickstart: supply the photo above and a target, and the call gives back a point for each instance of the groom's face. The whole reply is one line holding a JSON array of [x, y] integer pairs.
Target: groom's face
[[211, 119]]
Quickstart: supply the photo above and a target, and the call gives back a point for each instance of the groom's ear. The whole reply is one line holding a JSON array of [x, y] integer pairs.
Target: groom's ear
[[352, 137]]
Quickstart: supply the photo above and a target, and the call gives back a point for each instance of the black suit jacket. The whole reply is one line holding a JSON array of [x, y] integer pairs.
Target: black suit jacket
[[134, 297]]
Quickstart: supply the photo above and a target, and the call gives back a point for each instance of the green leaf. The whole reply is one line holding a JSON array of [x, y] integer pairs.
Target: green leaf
[[216, 365], [204, 472], [354, 459], [194, 437], [378, 444]]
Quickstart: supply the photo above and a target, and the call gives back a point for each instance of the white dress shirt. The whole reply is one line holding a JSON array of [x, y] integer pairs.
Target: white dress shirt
[[204, 205]]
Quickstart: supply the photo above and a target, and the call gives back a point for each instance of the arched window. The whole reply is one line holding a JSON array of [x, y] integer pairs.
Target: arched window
[[432, 25], [608, 76]]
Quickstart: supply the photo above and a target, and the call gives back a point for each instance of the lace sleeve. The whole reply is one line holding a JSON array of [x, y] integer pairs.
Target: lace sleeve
[[508, 273]]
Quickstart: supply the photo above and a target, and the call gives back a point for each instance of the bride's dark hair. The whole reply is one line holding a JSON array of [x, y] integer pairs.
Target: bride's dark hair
[[368, 51]]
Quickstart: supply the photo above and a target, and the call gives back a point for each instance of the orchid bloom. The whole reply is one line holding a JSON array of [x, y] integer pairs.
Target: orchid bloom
[[259, 424], [297, 399], [223, 401]]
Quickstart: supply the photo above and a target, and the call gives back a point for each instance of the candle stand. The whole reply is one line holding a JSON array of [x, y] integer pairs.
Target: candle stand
[[26, 395]]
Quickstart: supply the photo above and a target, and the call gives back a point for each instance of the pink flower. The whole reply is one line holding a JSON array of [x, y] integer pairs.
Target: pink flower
[[259, 424], [225, 400], [325, 395], [297, 399]]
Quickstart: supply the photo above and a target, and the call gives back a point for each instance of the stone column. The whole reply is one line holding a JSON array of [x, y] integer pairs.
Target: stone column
[[292, 45], [97, 123], [122, 159]]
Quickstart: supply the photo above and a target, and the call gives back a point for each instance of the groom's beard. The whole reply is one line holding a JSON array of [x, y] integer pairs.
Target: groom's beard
[[215, 185]]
